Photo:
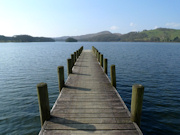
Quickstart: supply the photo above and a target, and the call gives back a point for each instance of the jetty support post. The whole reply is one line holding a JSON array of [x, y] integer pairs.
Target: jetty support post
[[93, 49], [74, 57], [43, 100], [72, 60], [81, 49], [136, 103], [76, 54], [97, 52], [69, 67], [113, 76], [105, 65], [60, 77], [99, 57], [101, 60]]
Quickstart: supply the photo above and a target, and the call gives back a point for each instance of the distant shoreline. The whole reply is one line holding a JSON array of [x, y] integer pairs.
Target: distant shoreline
[[25, 38], [156, 35]]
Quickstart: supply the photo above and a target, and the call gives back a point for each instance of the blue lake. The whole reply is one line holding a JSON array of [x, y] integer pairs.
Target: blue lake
[[154, 65]]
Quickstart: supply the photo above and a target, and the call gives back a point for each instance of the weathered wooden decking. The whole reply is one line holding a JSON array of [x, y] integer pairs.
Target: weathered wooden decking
[[88, 104]]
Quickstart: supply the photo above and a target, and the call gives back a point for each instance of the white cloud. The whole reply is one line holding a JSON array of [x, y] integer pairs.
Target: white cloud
[[114, 28], [173, 25], [131, 24], [155, 27]]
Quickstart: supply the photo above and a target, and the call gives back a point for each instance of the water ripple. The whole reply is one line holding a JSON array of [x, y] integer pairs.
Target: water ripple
[[157, 67]]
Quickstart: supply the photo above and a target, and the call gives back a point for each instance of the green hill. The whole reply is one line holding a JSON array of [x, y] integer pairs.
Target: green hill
[[25, 38], [105, 38], [157, 35]]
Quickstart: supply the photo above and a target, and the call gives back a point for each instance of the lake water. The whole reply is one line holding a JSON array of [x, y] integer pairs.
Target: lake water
[[154, 65]]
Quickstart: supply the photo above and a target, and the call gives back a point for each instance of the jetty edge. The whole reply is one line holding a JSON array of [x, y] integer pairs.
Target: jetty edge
[[88, 102]]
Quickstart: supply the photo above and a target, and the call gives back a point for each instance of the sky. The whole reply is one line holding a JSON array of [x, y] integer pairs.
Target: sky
[[56, 18]]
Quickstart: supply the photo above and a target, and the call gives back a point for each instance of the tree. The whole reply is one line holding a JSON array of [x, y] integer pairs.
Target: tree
[[176, 39]]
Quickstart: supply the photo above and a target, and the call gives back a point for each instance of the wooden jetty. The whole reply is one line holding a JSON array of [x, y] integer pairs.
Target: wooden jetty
[[88, 102]]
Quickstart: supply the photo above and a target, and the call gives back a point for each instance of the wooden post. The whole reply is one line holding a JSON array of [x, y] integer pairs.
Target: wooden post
[[69, 67], [43, 100], [113, 76], [78, 53], [74, 57], [136, 103], [60, 77], [101, 60], [97, 54], [72, 60], [105, 66], [93, 48]]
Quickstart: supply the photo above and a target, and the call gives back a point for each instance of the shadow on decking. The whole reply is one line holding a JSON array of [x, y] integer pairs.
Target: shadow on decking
[[80, 66], [73, 124], [77, 88], [82, 74]]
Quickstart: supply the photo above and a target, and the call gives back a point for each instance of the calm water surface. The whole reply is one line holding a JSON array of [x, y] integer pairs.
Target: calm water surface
[[154, 65]]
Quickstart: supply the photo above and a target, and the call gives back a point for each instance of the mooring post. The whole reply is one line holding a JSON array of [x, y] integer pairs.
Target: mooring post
[[93, 49], [74, 57], [60, 77], [72, 60], [99, 57], [43, 100], [97, 54], [101, 60], [69, 67], [81, 48], [105, 66], [113, 76], [136, 103], [78, 53]]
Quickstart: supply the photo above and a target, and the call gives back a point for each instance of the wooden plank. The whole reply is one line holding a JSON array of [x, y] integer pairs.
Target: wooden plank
[[88, 110], [83, 126], [91, 115], [90, 120], [88, 104], [81, 132]]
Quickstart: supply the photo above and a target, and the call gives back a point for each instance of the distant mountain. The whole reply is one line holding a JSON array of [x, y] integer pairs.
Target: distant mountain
[[156, 35], [90, 36], [96, 37], [25, 38]]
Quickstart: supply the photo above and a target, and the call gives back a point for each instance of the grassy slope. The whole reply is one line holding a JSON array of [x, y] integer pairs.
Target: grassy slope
[[162, 33], [157, 35]]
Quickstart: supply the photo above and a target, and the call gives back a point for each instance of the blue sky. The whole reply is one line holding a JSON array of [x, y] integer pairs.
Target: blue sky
[[55, 18]]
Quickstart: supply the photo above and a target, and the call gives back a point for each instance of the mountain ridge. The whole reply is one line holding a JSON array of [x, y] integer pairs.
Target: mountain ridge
[[155, 35]]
